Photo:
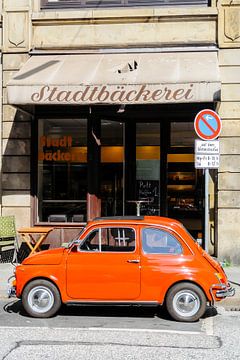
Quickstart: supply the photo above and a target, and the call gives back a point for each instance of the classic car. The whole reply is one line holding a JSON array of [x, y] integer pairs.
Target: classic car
[[130, 260]]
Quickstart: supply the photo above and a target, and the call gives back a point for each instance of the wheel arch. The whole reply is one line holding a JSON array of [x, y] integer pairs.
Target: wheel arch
[[41, 278], [186, 281]]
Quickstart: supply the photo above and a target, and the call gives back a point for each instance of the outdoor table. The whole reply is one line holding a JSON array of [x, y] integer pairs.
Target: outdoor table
[[138, 204], [34, 243]]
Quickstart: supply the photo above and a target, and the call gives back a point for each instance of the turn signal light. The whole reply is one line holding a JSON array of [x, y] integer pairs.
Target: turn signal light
[[219, 276]]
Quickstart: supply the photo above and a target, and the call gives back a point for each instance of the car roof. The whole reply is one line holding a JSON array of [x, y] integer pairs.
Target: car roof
[[143, 220]]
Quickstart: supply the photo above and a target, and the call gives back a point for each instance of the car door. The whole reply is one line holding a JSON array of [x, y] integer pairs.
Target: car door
[[162, 260], [106, 266]]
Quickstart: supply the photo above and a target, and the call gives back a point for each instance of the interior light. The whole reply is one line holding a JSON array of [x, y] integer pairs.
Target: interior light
[[121, 108]]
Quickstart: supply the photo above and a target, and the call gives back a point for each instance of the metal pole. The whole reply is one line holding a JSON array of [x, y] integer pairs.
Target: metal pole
[[123, 171], [138, 208], [206, 211]]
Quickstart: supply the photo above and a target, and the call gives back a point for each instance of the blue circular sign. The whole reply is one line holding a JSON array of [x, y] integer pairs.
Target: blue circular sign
[[207, 124]]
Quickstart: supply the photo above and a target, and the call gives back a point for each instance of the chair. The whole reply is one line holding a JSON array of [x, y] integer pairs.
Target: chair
[[122, 236], [78, 218], [57, 218], [9, 246]]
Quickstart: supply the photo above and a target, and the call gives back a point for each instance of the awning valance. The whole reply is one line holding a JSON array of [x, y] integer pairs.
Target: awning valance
[[126, 78]]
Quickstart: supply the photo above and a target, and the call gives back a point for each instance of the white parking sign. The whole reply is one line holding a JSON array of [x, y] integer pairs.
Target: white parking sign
[[206, 161], [207, 147], [207, 154]]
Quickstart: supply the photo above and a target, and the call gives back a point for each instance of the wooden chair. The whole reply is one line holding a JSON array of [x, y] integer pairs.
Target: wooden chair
[[9, 246]]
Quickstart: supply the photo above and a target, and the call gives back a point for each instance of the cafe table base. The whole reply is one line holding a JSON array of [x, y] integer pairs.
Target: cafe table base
[[34, 237]]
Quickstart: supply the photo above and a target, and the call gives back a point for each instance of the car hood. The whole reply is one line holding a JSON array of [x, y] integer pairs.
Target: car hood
[[47, 257]]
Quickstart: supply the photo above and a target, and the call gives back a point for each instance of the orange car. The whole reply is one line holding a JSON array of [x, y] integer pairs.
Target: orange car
[[124, 260]]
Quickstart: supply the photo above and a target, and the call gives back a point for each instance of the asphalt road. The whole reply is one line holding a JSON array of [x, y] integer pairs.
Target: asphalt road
[[110, 333], [102, 317], [100, 333]]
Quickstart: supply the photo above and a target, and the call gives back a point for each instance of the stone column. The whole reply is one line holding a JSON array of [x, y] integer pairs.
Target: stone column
[[229, 110], [16, 125]]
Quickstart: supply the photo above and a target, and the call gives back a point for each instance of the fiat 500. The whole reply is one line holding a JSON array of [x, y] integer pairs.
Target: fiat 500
[[124, 261]]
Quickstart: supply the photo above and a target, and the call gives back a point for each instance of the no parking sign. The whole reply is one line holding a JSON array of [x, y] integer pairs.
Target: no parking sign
[[207, 124]]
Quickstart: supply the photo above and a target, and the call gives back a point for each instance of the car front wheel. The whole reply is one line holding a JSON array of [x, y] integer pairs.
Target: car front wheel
[[41, 299], [186, 302]]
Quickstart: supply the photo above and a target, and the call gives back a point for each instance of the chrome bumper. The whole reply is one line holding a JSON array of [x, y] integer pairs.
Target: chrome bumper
[[221, 291], [11, 292], [11, 289]]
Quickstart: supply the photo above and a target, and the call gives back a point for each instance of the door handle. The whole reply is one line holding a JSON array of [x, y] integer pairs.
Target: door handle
[[134, 261]]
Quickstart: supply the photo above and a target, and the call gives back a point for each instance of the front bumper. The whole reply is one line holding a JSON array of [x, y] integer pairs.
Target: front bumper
[[11, 288], [221, 291]]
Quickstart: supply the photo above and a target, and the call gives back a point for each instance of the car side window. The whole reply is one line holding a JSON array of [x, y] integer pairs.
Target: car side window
[[119, 239], [156, 241]]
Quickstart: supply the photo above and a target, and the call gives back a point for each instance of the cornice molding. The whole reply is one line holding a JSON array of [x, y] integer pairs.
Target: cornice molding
[[90, 17]]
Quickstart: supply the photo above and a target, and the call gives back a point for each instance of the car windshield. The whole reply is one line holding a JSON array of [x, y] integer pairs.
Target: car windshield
[[76, 238]]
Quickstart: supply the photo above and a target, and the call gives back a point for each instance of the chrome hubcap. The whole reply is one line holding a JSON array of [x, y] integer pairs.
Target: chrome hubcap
[[40, 299], [186, 303]]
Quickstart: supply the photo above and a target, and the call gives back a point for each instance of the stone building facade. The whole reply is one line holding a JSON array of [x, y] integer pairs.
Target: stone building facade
[[29, 29]]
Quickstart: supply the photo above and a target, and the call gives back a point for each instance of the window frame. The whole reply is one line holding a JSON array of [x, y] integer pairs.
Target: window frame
[[99, 229], [168, 233]]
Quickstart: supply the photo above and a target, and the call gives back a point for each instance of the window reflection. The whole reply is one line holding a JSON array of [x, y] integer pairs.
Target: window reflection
[[62, 169]]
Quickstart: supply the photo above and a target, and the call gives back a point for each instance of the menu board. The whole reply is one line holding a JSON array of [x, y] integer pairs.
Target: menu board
[[148, 190]]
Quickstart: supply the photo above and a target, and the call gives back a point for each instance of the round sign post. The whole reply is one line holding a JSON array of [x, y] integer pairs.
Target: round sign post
[[207, 124]]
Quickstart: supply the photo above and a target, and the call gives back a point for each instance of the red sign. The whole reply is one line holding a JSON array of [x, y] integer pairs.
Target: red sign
[[207, 124]]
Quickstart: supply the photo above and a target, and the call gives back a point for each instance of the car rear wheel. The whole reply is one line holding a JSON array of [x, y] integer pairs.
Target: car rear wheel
[[186, 302], [41, 299]]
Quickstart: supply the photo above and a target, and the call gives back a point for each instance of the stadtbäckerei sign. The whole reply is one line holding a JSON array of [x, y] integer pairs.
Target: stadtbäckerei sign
[[118, 94]]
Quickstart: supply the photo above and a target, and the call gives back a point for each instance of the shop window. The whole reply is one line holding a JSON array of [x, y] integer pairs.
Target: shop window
[[71, 4], [62, 169]]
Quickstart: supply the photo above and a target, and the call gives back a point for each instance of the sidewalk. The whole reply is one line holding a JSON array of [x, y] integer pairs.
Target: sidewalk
[[232, 303], [6, 270], [233, 274]]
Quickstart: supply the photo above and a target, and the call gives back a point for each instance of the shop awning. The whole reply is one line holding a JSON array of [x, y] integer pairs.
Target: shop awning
[[125, 78]]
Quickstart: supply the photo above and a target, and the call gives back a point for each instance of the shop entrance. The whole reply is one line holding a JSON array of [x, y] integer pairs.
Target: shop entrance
[[144, 154], [130, 168], [152, 164], [166, 182]]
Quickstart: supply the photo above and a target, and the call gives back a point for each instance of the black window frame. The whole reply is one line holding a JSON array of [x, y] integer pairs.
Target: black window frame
[[78, 4]]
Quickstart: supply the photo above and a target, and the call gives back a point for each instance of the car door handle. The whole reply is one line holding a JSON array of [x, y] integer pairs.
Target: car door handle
[[134, 261]]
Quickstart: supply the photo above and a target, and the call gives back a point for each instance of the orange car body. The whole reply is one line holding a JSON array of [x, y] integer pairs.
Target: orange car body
[[135, 277]]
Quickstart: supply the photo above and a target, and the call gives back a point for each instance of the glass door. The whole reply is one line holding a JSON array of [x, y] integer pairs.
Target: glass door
[[148, 167], [112, 161], [185, 183]]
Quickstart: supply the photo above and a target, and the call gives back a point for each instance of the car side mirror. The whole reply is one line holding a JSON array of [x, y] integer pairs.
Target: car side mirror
[[74, 248]]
